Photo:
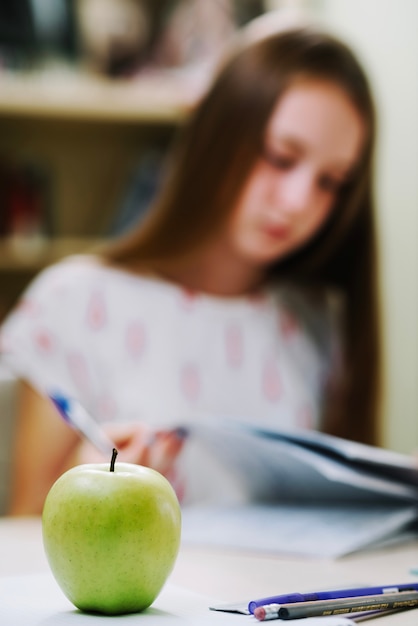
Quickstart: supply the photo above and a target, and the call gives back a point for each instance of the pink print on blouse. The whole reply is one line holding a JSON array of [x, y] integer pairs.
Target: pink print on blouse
[[96, 311], [271, 381], [106, 408], [29, 307], [288, 324], [135, 339], [77, 366], [190, 381], [234, 345], [6, 343], [187, 299], [44, 341]]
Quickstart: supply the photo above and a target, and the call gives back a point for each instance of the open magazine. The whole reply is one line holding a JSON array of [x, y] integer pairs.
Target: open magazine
[[307, 493]]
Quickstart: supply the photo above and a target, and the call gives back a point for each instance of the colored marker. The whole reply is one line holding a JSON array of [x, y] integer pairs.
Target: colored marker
[[330, 595], [76, 416], [338, 606]]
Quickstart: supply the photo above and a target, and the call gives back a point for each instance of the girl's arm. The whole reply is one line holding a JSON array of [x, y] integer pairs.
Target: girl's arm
[[42, 449]]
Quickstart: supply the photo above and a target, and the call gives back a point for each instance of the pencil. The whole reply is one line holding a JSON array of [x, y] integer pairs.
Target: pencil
[[338, 606]]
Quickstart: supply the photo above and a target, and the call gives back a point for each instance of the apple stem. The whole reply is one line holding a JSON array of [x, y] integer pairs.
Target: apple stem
[[112, 462]]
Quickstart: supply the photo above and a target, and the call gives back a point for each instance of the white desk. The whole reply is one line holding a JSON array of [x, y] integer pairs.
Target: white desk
[[232, 576]]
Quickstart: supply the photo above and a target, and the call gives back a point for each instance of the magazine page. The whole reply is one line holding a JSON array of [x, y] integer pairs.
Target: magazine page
[[278, 469], [386, 462]]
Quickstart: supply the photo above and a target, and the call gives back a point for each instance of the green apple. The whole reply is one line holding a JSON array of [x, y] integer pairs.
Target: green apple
[[111, 535]]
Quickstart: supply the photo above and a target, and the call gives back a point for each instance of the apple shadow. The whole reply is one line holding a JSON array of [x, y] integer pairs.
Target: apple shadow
[[91, 619]]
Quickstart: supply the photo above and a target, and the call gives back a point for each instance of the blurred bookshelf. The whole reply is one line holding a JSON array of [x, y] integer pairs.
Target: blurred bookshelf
[[26, 256], [70, 143], [66, 94]]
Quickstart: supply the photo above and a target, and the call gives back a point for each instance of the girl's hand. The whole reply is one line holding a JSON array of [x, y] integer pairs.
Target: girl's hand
[[137, 443]]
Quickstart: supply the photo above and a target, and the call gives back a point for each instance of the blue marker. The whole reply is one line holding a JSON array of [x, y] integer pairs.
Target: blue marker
[[76, 416], [330, 595]]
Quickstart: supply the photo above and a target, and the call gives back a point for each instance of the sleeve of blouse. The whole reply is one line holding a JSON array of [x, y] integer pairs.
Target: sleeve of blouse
[[35, 337]]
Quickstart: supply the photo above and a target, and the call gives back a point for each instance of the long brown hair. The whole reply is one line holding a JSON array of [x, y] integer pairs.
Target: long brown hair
[[219, 146]]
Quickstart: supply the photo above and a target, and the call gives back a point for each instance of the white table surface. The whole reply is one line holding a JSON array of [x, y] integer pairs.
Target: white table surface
[[231, 576]]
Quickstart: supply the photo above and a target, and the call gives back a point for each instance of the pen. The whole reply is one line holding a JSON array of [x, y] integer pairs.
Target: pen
[[76, 416], [338, 606], [330, 595]]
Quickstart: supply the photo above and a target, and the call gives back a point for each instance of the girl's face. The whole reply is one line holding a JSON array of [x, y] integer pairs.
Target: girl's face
[[312, 143]]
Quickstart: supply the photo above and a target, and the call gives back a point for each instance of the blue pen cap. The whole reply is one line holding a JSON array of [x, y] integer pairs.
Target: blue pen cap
[[61, 403]]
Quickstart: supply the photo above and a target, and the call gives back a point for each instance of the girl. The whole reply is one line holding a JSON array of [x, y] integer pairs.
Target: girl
[[249, 291]]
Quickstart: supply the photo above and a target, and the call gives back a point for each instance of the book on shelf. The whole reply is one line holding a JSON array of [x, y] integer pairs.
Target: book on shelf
[[25, 205], [306, 492]]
